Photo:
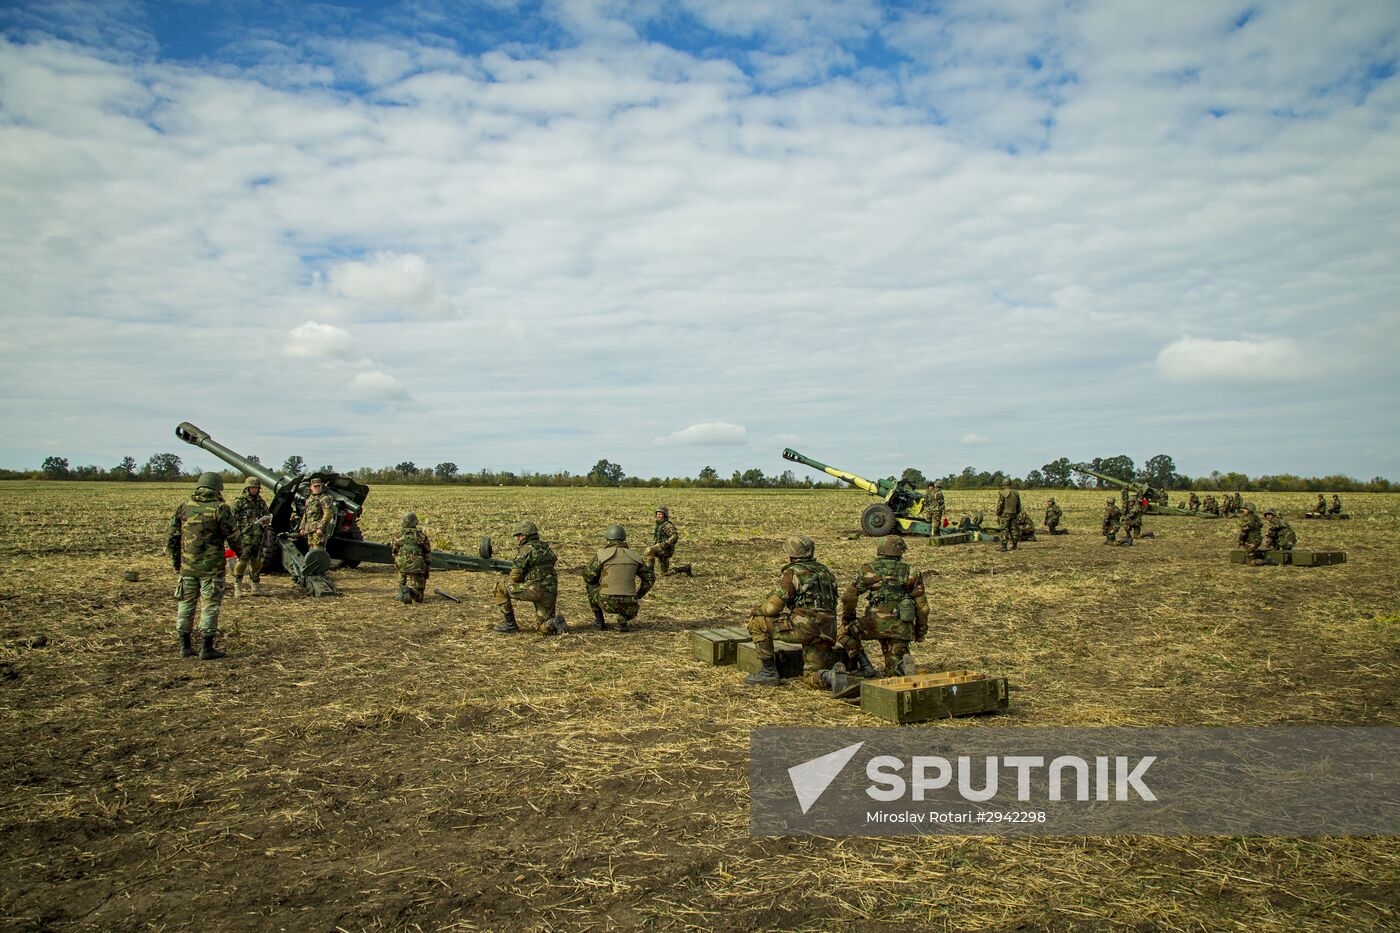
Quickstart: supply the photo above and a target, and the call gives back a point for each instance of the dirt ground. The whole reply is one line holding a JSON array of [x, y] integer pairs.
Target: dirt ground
[[361, 765]]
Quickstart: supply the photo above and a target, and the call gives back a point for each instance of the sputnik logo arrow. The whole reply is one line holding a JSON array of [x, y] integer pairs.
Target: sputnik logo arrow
[[811, 778]]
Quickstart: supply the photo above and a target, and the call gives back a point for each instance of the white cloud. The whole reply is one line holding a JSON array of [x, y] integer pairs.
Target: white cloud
[[376, 386], [1244, 362], [708, 434], [973, 440], [390, 285], [319, 341]]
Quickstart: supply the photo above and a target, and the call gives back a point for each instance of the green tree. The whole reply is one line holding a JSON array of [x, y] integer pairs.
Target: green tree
[[1160, 471], [914, 475], [293, 465], [709, 475], [752, 477], [126, 469], [446, 472], [1119, 467], [1058, 473], [55, 468], [605, 473], [407, 468], [162, 467]]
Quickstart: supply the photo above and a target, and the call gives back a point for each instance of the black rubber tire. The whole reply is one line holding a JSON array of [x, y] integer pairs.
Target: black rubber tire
[[878, 520], [272, 555]]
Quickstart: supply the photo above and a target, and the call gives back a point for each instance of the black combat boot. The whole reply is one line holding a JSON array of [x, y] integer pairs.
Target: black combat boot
[[862, 666], [556, 626], [405, 595], [186, 645], [682, 569], [836, 679], [598, 620], [1003, 545], [623, 625], [767, 677], [507, 624], [207, 651]]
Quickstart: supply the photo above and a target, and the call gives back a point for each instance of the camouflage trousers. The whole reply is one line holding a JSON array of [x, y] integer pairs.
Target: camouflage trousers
[[415, 584], [250, 560], [655, 555], [1109, 530], [316, 539], [893, 634], [1011, 533], [621, 608], [822, 646], [1133, 525], [541, 598], [205, 592]]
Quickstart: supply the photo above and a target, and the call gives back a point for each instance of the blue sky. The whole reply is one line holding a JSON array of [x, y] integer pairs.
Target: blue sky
[[530, 235]]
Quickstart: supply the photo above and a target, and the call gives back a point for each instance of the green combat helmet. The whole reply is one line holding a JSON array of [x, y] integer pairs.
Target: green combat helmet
[[891, 546], [615, 533], [527, 529], [800, 547], [210, 481], [665, 512], [410, 520], [1247, 506]]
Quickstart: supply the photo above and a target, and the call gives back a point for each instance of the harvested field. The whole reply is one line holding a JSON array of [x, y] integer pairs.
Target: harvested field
[[362, 765]]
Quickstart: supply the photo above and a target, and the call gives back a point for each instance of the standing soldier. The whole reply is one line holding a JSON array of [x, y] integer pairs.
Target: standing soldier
[[617, 578], [1278, 536], [1053, 514], [1336, 508], [801, 611], [250, 518], [1250, 536], [664, 537], [532, 580], [413, 557], [1111, 517], [1008, 504], [896, 609], [933, 505], [318, 516], [199, 531], [1194, 503]]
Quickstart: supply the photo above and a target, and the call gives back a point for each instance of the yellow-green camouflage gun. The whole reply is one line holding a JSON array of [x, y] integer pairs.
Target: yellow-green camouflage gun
[[900, 503]]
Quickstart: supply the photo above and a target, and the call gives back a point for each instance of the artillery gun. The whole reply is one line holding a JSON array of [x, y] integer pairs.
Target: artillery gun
[[285, 549], [1156, 498]]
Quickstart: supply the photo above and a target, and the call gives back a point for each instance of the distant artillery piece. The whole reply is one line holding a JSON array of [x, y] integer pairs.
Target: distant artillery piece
[[1156, 498], [285, 549]]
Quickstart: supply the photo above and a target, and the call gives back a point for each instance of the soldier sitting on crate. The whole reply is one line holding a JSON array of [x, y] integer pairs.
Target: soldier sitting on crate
[[1251, 534], [1336, 507], [1053, 514], [896, 609], [413, 555], [802, 611], [617, 578], [1278, 535], [1193, 504], [1111, 518], [1320, 507]]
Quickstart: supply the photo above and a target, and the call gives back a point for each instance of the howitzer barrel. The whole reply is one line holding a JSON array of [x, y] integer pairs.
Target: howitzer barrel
[[197, 437], [860, 482], [1111, 480]]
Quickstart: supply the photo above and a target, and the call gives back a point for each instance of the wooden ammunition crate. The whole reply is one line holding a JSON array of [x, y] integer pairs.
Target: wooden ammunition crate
[[787, 657], [717, 646], [933, 696], [1274, 557], [1317, 558], [957, 537]]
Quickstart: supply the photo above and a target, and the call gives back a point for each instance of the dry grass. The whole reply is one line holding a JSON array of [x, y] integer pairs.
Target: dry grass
[[364, 765]]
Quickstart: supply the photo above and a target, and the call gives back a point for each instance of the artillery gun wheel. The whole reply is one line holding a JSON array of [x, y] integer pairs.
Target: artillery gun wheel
[[878, 520], [272, 555]]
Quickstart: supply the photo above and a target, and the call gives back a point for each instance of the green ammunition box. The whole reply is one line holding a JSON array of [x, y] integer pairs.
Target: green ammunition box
[[960, 537], [1318, 558], [1274, 557], [787, 657], [717, 646], [933, 696]]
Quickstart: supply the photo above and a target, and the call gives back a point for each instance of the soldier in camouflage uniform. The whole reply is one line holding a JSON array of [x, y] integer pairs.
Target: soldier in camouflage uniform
[[199, 531], [801, 611], [933, 507], [1278, 535], [664, 537], [896, 609], [1111, 517], [617, 578], [251, 518], [1210, 506], [318, 517], [1132, 520], [1025, 528], [1053, 514], [1008, 505], [1194, 503], [413, 555], [1336, 507], [1250, 537], [532, 579]]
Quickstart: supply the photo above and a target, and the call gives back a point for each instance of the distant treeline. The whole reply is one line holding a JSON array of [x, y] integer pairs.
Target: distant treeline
[[1160, 471]]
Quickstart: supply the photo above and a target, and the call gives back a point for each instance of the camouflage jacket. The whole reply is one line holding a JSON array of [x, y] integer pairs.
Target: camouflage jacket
[[246, 512], [891, 588], [1250, 531], [1008, 504], [664, 538], [807, 588], [607, 557], [1053, 514], [1111, 514], [1336, 508], [1321, 507], [199, 531], [534, 563], [319, 515], [1279, 535], [413, 552], [933, 504]]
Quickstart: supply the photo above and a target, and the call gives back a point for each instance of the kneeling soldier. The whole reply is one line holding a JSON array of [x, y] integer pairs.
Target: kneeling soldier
[[1053, 514], [1279, 536], [617, 578], [664, 537], [1250, 537], [896, 610], [413, 555], [532, 579], [800, 611], [1111, 518]]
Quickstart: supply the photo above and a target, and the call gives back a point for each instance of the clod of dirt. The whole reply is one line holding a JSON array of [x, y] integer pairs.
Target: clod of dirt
[[131, 576], [39, 641]]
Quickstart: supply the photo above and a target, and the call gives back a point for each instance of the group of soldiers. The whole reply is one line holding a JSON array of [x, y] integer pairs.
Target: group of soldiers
[[1012, 518], [1272, 534], [1322, 508]]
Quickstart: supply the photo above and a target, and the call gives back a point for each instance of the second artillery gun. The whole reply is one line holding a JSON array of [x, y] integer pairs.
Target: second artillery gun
[[286, 550], [1156, 498]]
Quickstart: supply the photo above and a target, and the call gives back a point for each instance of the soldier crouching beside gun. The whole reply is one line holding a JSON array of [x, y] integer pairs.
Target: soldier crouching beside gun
[[533, 580], [896, 609], [199, 531], [413, 556], [617, 578], [802, 611]]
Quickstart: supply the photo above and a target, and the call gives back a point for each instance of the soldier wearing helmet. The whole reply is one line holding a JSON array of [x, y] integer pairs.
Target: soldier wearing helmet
[[1053, 514], [251, 518], [664, 537], [1008, 505], [318, 516], [413, 557], [199, 531], [1250, 536], [617, 578], [801, 610], [532, 579], [1279, 535], [933, 507], [1111, 518], [896, 609]]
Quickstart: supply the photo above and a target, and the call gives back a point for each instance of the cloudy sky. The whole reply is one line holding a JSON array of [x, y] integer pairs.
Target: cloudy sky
[[530, 235]]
